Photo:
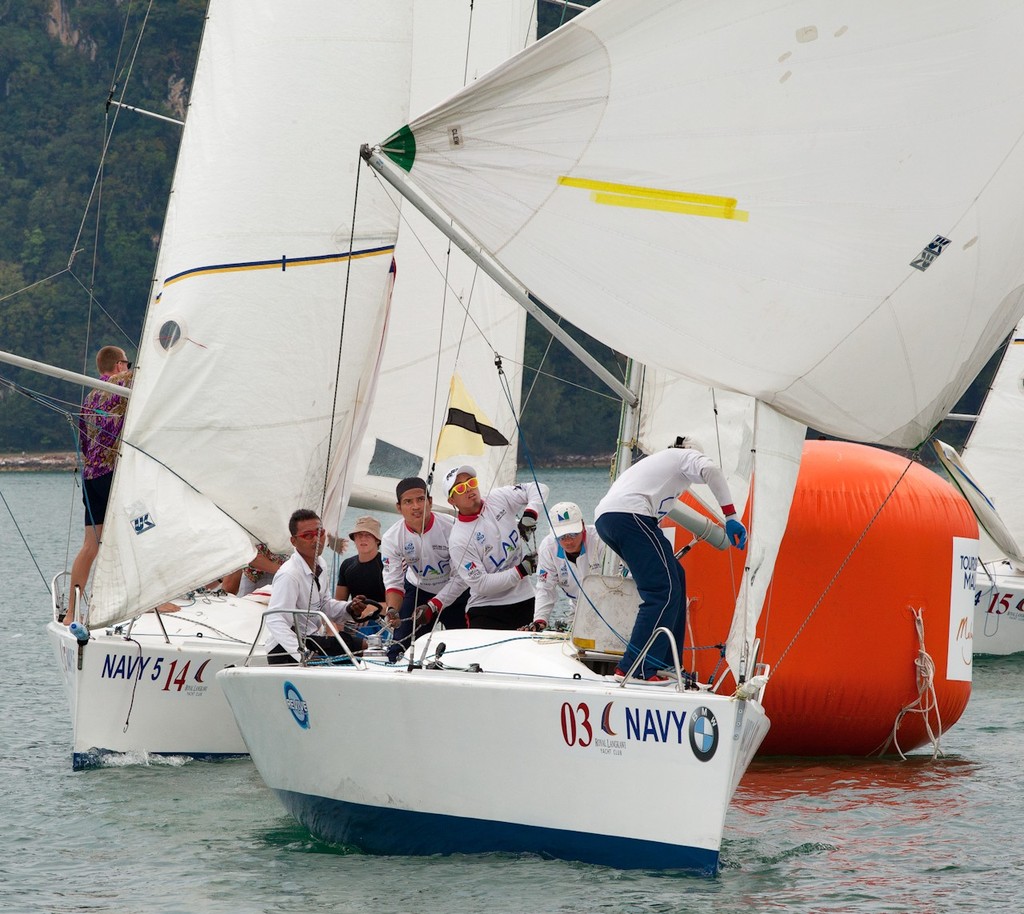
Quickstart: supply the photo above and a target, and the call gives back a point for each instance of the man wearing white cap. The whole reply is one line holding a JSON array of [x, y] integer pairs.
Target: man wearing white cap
[[627, 519], [570, 552], [489, 548]]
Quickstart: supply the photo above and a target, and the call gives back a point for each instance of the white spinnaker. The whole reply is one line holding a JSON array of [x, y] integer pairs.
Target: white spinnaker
[[430, 335], [249, 390], [995, 448], [850, 138]]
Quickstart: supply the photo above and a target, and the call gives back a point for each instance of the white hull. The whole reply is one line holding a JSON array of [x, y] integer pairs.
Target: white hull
[[138, 692], [452, 761], [999, 611]]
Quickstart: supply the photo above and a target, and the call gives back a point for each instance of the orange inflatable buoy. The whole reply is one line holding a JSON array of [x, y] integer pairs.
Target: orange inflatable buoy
[[867, 623]]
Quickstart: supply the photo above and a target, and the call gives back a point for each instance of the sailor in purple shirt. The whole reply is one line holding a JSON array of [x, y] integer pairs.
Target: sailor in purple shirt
[[99, 434]]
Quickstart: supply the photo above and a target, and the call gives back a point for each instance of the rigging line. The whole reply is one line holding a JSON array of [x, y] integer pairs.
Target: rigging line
[[469, 39], [28, 549], [566, 381], [45, 400], [341, 348], [532, 20], [32, 285], [396, 202], [537, 370], [843, 564], [109, 133], [177, 475], [95, 301]]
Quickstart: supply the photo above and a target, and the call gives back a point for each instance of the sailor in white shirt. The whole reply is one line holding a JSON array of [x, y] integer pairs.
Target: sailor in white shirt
[[302, 583], [627, 519], [567, 555], [417, 567], [489, 546]]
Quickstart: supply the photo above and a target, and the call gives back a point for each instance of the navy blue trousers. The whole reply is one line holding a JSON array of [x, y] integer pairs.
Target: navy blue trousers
[[640, 543]]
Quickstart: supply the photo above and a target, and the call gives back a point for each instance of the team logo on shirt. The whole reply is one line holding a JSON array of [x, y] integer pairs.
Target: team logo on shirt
[[470, 566], [480, 537]]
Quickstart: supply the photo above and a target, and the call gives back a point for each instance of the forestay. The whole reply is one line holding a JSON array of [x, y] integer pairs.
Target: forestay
[[446, 316], [260, 347], [818, 205]]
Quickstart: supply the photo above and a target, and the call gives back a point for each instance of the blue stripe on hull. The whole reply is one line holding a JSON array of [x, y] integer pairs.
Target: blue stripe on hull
[[95, 758], [382, 830]]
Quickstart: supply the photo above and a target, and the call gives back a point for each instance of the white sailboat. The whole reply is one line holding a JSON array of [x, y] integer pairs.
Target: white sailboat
[[145, 684], [257, 364], [770, 200], [991, 487]]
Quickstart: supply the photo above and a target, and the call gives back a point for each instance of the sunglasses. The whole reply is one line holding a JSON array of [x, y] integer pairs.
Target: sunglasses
[[570, 536], [461, 488], [312, 534], [124, 362]]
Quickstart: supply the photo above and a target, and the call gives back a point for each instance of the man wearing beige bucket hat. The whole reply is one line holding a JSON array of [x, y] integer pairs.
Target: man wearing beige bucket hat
[[363, 573]]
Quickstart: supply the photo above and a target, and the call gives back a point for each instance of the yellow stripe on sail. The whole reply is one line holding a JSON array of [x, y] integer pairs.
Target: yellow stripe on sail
[[670, 201]]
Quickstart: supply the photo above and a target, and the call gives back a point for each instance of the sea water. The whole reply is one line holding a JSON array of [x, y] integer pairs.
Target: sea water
[[802, 835]]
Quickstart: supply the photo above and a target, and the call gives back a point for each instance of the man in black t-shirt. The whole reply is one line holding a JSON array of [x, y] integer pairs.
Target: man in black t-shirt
[[363, 574]]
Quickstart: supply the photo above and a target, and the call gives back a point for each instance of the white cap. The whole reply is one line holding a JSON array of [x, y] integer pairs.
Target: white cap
[[566, 517], [452, 475]]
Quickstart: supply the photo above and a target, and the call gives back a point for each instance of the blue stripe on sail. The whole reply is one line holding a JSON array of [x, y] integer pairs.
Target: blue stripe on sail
[[280, 263], [386, 830]]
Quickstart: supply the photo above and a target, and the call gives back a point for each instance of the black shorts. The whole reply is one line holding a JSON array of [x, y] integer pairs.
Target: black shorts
[[95, 495]]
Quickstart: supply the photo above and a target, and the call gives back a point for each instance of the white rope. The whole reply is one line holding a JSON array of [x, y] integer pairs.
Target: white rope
[[927, 702]]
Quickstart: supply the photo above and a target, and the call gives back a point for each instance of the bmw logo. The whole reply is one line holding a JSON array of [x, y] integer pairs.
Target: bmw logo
[[703, 734], [300, 711]]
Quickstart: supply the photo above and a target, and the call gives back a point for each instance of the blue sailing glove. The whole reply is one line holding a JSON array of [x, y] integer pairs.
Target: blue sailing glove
[[736, 532]]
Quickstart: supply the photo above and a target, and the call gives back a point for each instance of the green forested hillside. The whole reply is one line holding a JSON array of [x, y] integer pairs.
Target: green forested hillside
[[72, 280], [58, 61]]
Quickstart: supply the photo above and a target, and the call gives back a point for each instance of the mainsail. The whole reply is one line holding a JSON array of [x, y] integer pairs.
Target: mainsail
[[816, 206], [264, 332], [446, 316]]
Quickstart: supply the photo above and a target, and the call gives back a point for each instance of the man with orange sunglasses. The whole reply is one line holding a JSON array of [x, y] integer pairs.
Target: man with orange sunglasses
[[489, 548], [302, 586]]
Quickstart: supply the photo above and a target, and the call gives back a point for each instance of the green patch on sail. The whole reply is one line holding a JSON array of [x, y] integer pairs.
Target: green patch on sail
[[400, 147]]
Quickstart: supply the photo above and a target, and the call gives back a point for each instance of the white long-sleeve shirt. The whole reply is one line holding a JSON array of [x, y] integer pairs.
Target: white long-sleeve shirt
[[422, 559], [554, 572], [486, 549], [295, 587], [650, 486]]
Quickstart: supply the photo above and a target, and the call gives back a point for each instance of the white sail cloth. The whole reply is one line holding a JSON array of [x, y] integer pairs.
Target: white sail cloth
[[746, 187], [817, 206], [260, 346], [446, 316]]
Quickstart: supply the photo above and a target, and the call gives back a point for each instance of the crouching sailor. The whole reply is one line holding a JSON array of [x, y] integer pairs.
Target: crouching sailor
[[627, 519]]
